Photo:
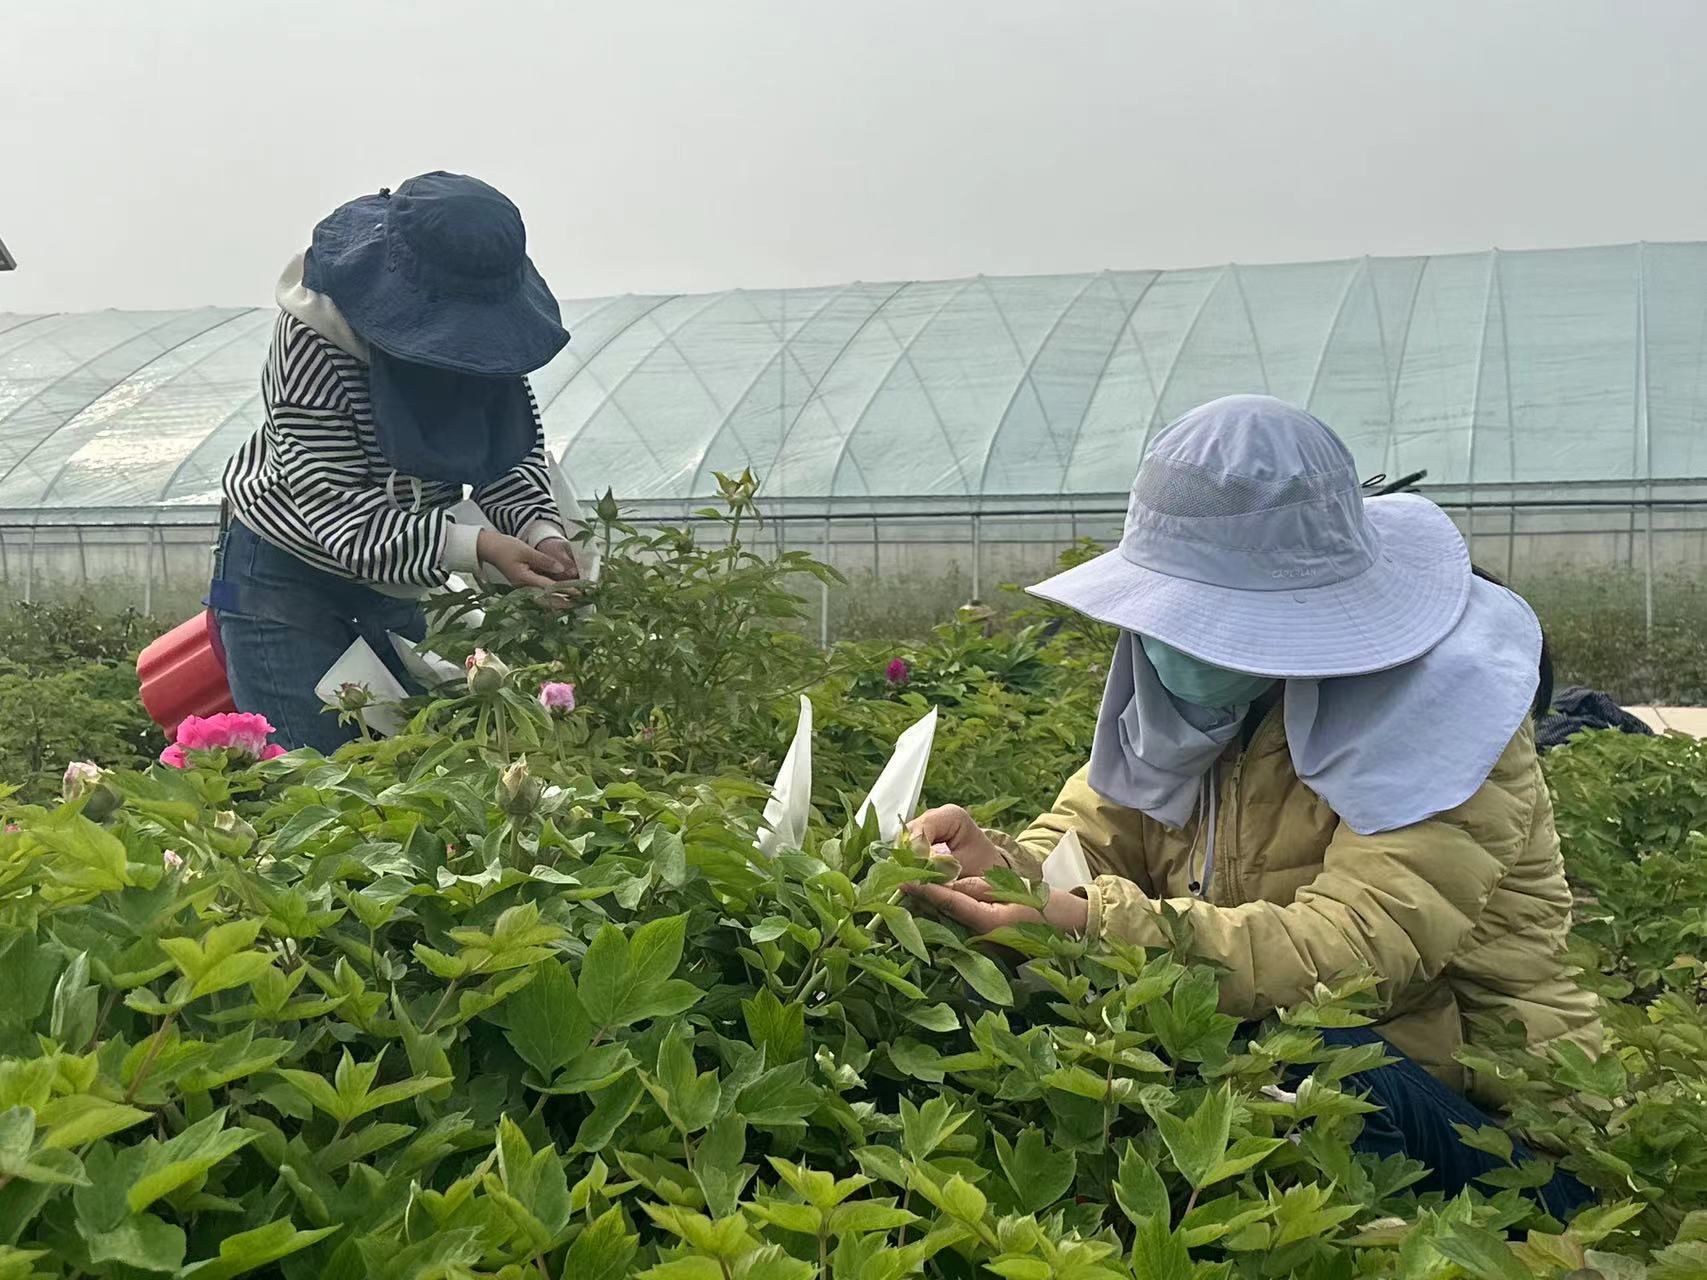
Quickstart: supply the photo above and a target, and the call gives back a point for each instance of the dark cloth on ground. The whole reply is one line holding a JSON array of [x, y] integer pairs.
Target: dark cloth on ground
[[1577, 710]]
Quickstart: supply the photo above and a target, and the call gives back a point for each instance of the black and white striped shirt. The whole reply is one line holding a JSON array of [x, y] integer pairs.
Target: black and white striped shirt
[[314, 481]]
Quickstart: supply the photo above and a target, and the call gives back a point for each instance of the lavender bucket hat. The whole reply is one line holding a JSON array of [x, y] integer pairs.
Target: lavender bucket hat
[[1249, 545]]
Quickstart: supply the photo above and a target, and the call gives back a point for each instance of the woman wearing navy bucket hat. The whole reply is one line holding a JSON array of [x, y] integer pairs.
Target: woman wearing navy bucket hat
[[395, 379], [1315, 746]]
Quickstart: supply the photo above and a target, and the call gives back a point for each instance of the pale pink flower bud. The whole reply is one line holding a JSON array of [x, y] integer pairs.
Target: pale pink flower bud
[[557, 695]]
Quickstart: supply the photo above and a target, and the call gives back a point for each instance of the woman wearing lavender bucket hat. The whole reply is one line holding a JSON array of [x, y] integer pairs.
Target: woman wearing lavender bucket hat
[[1315, 745]]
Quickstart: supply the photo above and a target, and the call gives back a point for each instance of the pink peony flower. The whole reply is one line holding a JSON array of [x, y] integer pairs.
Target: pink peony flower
[[243, 732], [556, 695], [898, 671], [172, 860], [13, 828]]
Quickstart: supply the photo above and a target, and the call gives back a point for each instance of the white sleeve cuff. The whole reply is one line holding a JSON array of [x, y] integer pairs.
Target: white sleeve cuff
[[540, 530], [462, 547]]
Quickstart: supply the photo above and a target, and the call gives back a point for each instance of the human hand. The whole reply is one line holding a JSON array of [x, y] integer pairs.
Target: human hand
[[968, 901], [521, 565], [953, 826], [560, 550]]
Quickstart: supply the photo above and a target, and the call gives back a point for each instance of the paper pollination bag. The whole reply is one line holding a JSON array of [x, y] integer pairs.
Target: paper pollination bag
[[790, 807], [360, 665], [895, 795]]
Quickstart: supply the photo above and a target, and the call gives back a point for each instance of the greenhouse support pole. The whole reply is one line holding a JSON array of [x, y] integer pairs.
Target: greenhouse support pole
[[1646, 435], [1511, 537], [876, 551], [977, 557], [30, 568], [824, 594], [1648, 568]]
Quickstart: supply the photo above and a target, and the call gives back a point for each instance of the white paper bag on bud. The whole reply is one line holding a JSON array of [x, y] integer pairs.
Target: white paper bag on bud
[[895, 796], [790, 805], [587, 553], [361, 666], [1065, 868], [475, 618], [425, 665]]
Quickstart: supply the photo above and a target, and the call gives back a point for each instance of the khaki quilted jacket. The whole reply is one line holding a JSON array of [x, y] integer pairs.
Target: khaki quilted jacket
[[1465, 914]]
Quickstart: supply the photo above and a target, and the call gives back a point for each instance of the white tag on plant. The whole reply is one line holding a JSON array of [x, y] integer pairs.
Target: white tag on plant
[[895, 796], [425, 665], [790, 805], [586, 552], [360, 665], [1065, 868]]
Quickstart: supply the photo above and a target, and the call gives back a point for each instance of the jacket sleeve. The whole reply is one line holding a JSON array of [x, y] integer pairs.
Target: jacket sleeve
[[519, 502], [1111, 835], [1398, 905], [311, 430]]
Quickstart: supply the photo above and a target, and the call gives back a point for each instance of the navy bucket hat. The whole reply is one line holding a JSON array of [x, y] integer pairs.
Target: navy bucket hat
[[437, 273], [436, 279]]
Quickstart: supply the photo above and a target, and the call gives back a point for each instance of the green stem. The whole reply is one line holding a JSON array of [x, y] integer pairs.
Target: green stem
[[433, 1017], [154, 1048], [502, 724]]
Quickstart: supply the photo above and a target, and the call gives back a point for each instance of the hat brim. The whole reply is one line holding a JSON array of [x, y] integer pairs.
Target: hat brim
[[1390, 614], [500, 337]]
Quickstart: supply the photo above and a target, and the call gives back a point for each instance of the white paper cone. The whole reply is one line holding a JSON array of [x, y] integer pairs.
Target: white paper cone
[[425, 665], [790, 805], [474, 617], [587, 554], [1065, 868], [361, 665], [896, 793]]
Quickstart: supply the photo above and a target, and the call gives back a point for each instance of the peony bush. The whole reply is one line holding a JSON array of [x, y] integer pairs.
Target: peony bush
[[512, 994]]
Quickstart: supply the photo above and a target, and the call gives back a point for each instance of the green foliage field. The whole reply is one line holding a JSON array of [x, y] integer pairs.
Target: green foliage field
[[421, 1011]]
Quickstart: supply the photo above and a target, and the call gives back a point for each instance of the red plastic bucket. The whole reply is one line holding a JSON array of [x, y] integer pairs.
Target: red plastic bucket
[[183, 674]]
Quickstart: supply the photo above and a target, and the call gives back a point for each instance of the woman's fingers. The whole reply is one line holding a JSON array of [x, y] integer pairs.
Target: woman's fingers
[[981, 917], [943, 825]]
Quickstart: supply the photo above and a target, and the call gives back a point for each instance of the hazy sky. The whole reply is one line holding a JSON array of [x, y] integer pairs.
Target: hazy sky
[[175, 152]]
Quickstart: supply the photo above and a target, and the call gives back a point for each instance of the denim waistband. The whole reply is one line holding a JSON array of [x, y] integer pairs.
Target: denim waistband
[[257, 579]]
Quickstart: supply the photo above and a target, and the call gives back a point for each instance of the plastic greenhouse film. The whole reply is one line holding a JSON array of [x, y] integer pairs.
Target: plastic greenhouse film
[[896, 793], [1065, 868], [790, 805], [360, 665], [425, 665], [587, 554]]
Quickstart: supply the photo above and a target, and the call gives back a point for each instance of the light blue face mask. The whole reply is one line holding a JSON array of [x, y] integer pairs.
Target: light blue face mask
[[1192, 680]]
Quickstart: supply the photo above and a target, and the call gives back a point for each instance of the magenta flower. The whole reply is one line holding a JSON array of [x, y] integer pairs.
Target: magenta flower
[[242, 732], [898, 671], [557, 695]]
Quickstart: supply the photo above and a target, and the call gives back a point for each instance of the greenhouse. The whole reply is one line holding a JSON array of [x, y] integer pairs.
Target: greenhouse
[[1556, 399]]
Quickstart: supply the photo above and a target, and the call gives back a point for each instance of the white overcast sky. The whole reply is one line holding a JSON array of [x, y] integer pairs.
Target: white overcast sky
[[175, 152]]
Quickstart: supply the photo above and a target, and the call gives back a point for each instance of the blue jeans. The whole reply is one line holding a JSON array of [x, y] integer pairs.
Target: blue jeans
[[1416, 1118], [284, 623]]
